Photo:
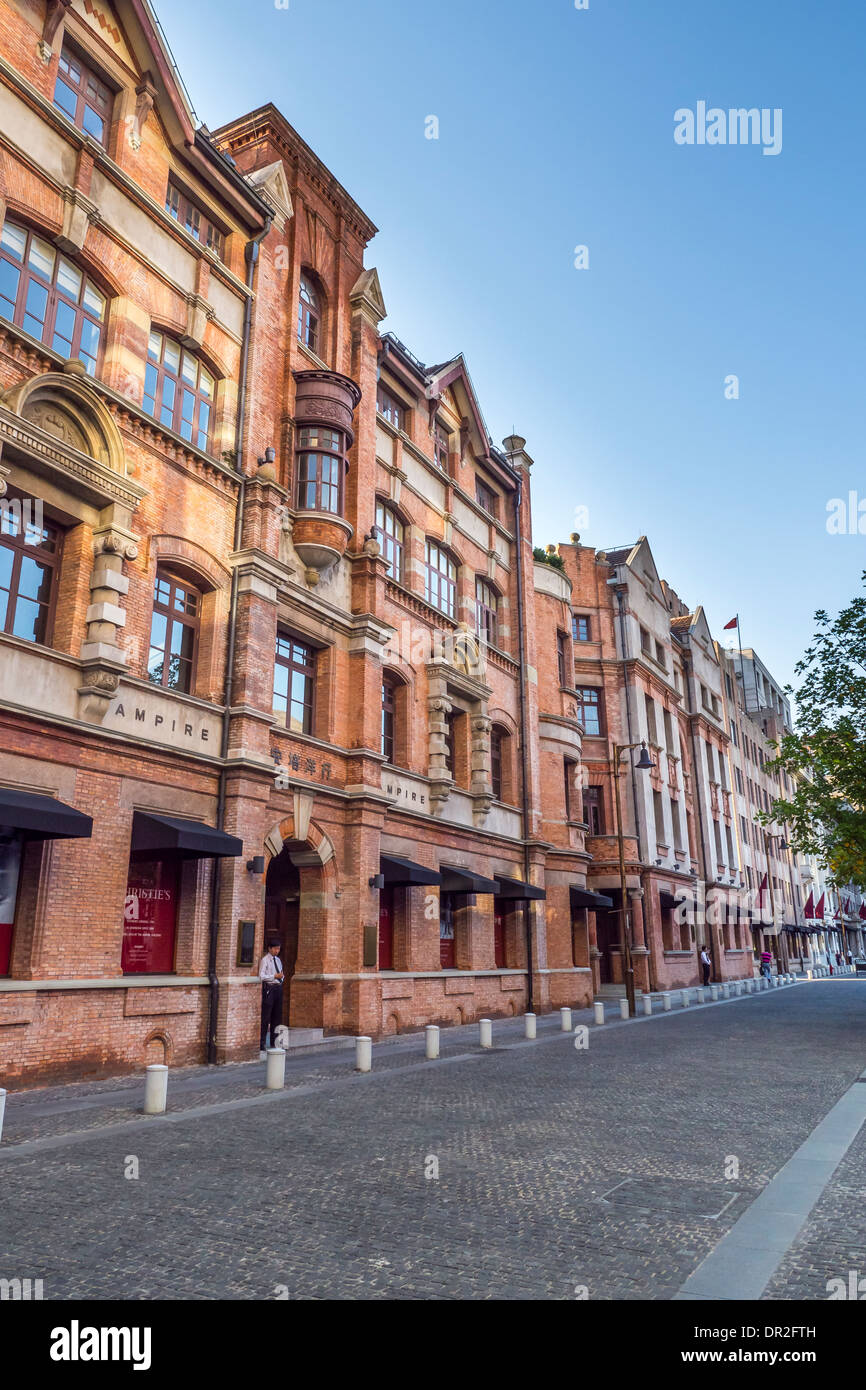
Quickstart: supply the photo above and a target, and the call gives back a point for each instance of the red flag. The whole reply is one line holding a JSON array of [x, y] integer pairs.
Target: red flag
[[819, 907], [863, 912], [732, 623], [809, 909], [760, 902]]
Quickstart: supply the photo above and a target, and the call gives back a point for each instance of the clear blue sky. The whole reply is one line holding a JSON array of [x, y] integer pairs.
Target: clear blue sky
[[556, 130]]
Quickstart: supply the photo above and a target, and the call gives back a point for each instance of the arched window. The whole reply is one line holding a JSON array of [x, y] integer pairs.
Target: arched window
[[497, 738], [390, 529], [173, 633], [389, 717], [440, 579], [309, 313], [29, 569], [486, 612], [321, 468], [178, 390], [49, 297]]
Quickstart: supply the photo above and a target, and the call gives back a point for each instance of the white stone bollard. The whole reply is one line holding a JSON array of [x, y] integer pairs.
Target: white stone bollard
[[485, 1032], [275, 1069], [667, 998], [598, 1010], [685, 998], [363, 1054], [431, 1035], [155, 1089], [623, 1008], [808, 974], [529, 1024], [2, 1109], [565, 1020], [647, 1004], [714, 991]]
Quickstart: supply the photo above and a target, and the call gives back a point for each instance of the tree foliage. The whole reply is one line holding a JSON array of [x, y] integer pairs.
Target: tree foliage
[[825, 756]]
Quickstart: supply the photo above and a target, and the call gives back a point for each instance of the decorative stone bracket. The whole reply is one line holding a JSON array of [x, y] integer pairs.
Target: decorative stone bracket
[[145, 95], [79, 212], [103, 660], [55, 13], [198, 314]]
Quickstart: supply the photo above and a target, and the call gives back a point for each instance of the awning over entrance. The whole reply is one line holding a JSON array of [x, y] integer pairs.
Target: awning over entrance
[[187, 839], [517, 890], [671, 899], [581, 897], [42, 817], [463, 881], [403, 873]]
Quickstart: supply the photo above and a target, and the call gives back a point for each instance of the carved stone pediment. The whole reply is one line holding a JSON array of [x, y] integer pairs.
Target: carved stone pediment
[[52, 418]]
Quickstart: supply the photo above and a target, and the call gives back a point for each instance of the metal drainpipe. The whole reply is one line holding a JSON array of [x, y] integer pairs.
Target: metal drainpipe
[[696, 762], [252, 256], [621, 606], [524, 744]]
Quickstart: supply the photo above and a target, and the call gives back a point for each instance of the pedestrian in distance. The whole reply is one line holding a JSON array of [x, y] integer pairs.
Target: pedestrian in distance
[[766, 964], [272, 977], [706, 965]]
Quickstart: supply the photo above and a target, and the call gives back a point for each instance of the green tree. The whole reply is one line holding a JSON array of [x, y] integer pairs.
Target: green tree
[[825, 756]]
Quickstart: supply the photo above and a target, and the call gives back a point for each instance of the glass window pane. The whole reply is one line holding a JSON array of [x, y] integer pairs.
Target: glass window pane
[[158, 626], [64, 327], [14, 240], [41, 258], [88, 349], [190, 368], [10, 278], [154, 346], [7, 558], [65, 98], [93, 301], [29, 621], [34, 310], [93, 124], [206, 383], [171, 357], [68, 278], [166, 413]]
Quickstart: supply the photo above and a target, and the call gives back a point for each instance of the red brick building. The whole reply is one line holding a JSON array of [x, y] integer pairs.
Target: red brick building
[[275, 655]]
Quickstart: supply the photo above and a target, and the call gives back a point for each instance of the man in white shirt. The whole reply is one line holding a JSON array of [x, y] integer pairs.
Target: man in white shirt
[[271, 976], [706, 965]]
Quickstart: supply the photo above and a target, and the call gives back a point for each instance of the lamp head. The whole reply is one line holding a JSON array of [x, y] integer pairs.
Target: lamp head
[[644, 762]]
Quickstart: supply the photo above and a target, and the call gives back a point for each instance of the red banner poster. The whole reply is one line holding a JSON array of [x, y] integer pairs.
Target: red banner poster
[[10, 865], [149, 918]]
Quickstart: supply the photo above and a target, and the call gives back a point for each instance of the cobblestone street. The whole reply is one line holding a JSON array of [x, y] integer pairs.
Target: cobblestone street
[[562, 1173]]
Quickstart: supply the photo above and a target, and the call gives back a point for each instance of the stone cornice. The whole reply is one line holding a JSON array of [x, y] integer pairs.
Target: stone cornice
[[84, 474]]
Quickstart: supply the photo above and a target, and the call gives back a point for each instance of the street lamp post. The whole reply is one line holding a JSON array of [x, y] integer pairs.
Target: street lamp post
[[643, 763]]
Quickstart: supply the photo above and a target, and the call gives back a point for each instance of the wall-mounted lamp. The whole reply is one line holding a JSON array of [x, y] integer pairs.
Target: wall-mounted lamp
[[270, 455], [256, 865], [377, 881]]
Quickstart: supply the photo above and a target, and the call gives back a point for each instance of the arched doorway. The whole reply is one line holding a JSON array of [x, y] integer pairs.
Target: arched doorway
[[282, 916]]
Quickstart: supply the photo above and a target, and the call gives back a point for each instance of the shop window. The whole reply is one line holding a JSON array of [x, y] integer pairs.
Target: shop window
[[11, 849], [499, 951], [150, 917], [447, 955], [47, 295]]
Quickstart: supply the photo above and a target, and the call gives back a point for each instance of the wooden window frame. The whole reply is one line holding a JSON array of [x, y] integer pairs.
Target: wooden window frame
[[56, 296], [389, 718], [441, 446], [576, 620], [71, 56], [190, 215], [486, 611], [438, 580], [174, 618], [22, 550], [593, 809], [486, 497], [309, 313], [391, 543], [597, 704], [328, 492], [562, 659], [307, 668], [159, 374], [391, 408]]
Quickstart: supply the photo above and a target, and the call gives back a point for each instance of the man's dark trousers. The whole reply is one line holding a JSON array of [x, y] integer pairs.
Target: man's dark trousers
[[706, 970], [272, 1013]]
